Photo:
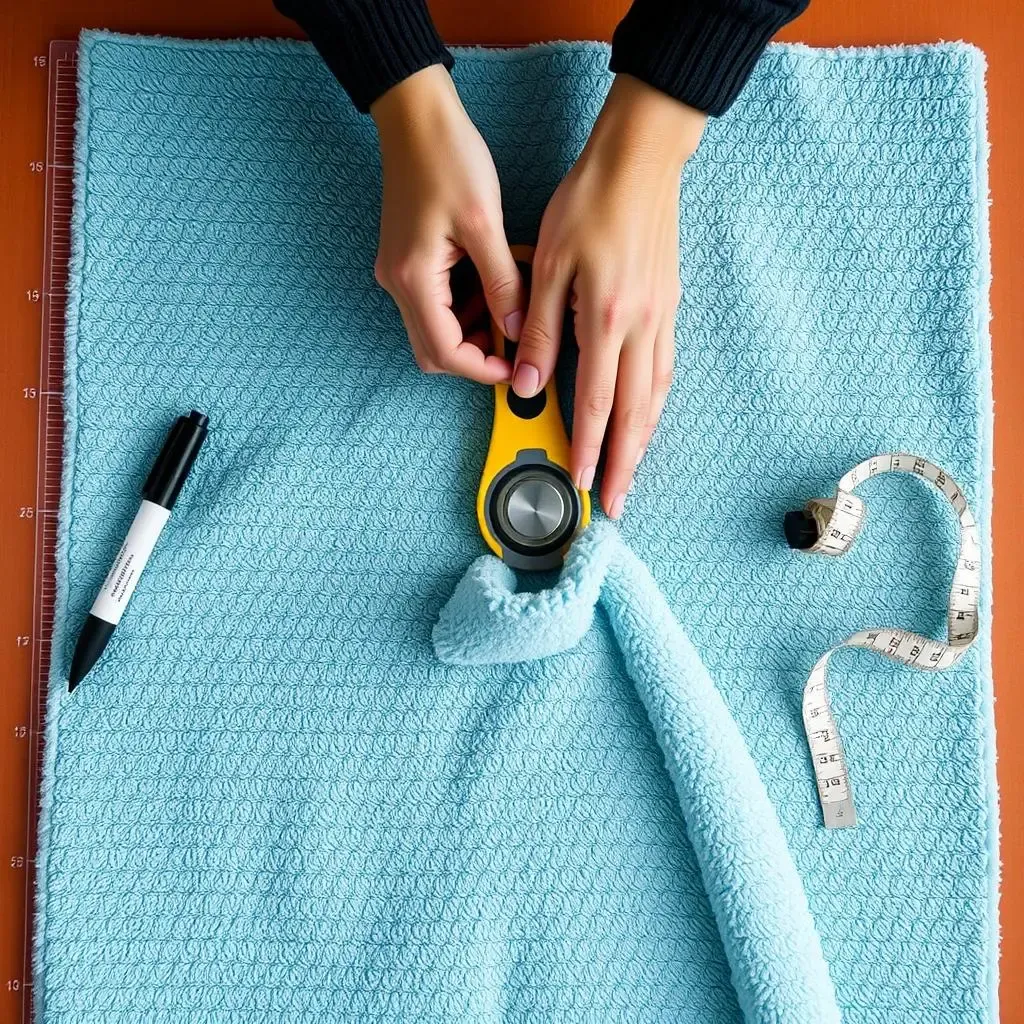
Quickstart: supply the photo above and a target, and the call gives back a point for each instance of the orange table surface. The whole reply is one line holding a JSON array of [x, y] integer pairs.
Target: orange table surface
[[27, 26]]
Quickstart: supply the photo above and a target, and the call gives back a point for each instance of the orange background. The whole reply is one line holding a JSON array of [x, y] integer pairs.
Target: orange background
[[27, 26]]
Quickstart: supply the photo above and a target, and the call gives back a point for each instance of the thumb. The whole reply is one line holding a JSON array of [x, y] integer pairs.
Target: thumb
[[499, 275], [542, 331]]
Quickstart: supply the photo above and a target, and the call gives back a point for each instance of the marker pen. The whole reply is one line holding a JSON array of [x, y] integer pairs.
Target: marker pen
[[159, 494]]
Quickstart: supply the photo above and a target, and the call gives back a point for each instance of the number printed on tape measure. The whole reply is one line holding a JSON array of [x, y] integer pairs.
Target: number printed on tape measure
[[839, 520]]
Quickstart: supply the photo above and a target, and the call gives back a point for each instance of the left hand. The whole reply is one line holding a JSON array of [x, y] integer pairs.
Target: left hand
[[609, 244]]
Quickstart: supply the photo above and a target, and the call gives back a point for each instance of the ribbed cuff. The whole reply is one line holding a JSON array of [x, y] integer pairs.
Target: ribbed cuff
[[699, 52], [370, 45]]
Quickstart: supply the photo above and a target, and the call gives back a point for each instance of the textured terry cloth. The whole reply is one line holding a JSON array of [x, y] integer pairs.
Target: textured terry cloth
[[272, 801], [751, 883]]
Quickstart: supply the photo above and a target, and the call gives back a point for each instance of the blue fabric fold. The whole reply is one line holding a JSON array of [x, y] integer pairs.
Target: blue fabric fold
[[758, 900]]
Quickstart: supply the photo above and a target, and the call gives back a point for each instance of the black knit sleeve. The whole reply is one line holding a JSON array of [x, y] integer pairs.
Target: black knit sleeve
[[699, 51], [370, 45]]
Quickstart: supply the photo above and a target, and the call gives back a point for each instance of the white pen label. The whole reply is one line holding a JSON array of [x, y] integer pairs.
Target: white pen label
[[131, 560]]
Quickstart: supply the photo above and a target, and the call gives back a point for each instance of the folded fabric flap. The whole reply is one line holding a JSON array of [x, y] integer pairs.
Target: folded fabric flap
[[778, 968], [485, 622]]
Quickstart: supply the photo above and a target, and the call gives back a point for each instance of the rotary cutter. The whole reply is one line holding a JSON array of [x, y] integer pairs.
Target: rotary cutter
[[527, 506]]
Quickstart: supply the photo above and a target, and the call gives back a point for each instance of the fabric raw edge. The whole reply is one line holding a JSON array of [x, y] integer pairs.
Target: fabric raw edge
[[89, 37], [986, 410]]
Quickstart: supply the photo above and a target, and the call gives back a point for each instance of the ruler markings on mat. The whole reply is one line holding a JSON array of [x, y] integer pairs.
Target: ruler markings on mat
[[62, 102]]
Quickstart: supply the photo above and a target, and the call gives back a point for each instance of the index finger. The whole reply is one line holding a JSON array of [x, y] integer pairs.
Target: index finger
[[441, 334], [595, 394]]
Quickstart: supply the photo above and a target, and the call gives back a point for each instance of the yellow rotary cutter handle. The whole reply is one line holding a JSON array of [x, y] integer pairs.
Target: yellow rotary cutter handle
[[527, 506]]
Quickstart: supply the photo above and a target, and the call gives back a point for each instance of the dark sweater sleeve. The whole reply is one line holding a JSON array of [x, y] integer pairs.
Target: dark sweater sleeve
[[699, 51], [370, 45]]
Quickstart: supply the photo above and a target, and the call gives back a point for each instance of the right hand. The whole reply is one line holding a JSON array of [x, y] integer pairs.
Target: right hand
[[442, 202]]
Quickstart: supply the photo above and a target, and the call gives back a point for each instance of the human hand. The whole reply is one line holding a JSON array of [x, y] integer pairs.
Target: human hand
[[442, 202], [609, 242]]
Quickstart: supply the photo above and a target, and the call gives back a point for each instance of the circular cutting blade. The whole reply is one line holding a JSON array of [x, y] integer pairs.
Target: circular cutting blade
[[533, 511], [535, 508]]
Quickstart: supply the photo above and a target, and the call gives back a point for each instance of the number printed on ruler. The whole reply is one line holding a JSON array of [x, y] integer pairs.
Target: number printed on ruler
[[838, 521]]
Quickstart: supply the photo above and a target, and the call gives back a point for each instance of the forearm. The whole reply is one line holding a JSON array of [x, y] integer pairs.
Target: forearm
[[700, 52], [370, 45], [642, 133]]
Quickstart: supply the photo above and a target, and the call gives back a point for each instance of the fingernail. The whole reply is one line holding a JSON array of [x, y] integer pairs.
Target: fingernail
[[617, 506], [526, 382], [513, 325], [587, 478]]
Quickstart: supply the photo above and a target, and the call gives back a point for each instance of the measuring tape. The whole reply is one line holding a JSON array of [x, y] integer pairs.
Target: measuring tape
[[829, 526]]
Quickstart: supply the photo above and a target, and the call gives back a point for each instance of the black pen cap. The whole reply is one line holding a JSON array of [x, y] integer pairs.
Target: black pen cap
[[166, 478]]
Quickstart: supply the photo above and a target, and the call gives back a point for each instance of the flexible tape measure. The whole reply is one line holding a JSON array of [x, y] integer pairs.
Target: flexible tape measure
[[527, 506], [829, 526]]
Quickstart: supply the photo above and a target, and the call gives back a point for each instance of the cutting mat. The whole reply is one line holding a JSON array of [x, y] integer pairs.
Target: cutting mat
[[60, 136], [25, 29]]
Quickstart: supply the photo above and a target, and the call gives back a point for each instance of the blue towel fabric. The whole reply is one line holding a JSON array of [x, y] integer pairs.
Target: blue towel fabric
[[318, 778]]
